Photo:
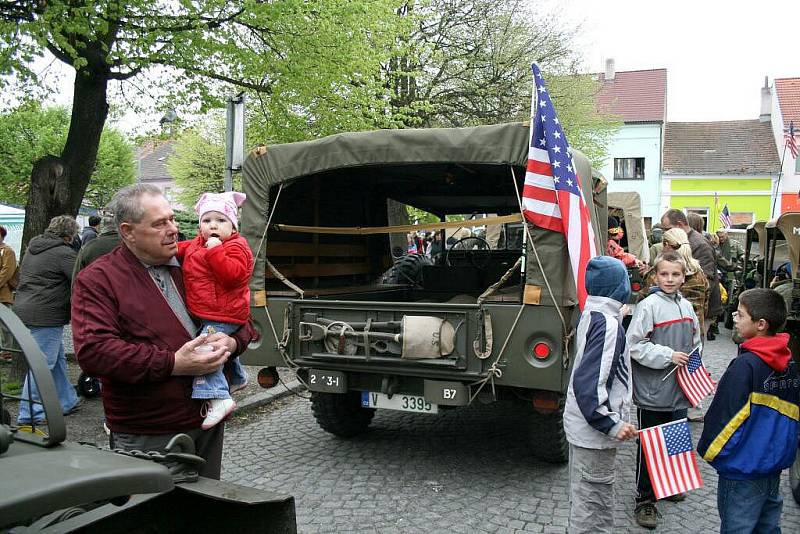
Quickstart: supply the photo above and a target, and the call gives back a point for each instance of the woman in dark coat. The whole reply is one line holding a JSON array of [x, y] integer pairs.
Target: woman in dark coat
[[42, 303]]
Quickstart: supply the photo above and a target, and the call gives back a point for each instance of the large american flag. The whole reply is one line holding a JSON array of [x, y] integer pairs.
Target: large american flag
[[670, 458], [694, 379], [790, 136], [725, 217], [552, 196]]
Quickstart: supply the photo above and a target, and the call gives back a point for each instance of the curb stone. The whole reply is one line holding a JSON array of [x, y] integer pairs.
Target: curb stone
[[272, 394]]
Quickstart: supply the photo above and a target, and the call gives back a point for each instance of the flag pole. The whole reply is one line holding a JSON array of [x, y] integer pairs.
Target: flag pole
[[778, 184]]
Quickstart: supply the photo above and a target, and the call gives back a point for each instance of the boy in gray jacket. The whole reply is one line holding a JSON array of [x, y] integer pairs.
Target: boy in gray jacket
[[664, 329], [598, 403]]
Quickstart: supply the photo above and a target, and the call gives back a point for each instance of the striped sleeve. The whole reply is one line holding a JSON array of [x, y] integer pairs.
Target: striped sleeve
[[591, 378]]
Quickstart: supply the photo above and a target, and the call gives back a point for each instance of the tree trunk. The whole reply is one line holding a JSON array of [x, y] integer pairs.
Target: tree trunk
[[59, 183]]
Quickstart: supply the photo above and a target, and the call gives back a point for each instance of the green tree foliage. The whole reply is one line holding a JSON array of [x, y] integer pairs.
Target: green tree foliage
[[29, 132], [467, 62], [197, 163], [313, 62]]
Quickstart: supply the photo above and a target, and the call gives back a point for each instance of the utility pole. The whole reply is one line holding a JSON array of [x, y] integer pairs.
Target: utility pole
[[234, 139]]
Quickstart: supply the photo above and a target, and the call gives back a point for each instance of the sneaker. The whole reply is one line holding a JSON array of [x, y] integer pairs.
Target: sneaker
[[678, 497], [105, 428], [647, 515], [216, 410], [710, 336]]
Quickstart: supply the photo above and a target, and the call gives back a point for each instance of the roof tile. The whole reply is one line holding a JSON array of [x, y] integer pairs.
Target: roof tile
[[788, 90], [636, 96], [722, 147]]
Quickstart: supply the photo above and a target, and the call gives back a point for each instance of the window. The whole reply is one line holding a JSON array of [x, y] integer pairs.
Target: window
[[629, 168], [797, 165], [702, 212]]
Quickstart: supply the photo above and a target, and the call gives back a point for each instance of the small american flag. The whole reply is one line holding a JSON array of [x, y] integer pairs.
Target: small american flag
[[670, 458], [791, 139], [725, 217], [694, 379], [552, 196]]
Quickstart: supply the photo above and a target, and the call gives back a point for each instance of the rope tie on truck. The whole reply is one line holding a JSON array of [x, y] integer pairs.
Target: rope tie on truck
[[568, 333]]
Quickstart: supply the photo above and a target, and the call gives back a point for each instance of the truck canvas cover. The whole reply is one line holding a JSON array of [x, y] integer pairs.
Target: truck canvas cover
[[439, 170]]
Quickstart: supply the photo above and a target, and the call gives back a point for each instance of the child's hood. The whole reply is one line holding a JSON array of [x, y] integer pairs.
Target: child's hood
[[608, 277], [774, 350]]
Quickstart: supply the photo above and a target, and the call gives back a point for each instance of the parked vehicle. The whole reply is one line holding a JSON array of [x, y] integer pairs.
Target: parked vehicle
[[479, 322], [52, 485]]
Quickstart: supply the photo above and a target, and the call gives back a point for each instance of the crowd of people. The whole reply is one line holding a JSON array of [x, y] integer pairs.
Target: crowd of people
[[751, 427], [167, 359]]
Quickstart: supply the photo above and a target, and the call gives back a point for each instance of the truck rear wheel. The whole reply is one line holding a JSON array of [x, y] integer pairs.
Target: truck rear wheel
[[547, 437], [341, 414]]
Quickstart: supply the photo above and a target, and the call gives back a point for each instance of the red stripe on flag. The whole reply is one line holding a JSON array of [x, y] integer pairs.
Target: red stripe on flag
[[540, 167], [538, 193], [543, 221]]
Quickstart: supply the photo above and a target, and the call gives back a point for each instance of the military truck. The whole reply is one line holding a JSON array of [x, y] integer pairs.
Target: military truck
[[49, 484], [477, 322], [778, 242]]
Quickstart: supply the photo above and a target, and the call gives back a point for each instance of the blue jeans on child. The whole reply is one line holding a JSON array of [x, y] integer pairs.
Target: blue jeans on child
[[50, 342], [750, 505], [214, 385]]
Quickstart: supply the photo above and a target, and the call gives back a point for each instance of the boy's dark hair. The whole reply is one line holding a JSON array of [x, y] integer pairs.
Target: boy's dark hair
[[3, 232], [672, 257], [765, 304], [94, 220]]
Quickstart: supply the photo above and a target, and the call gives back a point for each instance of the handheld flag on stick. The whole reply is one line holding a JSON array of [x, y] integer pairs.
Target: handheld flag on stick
[[552, 196], [725, 217], [670, 458], [694, 379]]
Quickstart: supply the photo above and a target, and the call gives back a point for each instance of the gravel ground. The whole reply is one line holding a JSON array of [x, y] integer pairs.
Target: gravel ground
[[86, 425]]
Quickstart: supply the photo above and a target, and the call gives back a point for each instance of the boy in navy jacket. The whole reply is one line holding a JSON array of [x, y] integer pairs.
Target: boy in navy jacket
[[751, 428]]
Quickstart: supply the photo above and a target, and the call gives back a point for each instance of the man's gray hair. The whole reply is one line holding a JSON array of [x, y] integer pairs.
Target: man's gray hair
[[126, 204], [63, 226]]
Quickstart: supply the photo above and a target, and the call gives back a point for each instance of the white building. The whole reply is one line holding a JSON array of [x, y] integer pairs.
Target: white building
[[639, 100]]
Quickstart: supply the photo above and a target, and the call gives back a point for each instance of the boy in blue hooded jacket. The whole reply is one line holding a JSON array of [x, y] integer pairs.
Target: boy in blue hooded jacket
[[597, 411], [751, 427]]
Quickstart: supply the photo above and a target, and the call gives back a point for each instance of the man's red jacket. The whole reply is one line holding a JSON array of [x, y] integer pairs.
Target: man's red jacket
[[126, 335]]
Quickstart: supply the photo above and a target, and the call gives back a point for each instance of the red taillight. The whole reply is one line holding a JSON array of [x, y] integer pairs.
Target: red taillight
[[268, 377], [541, 350], [636, 286]]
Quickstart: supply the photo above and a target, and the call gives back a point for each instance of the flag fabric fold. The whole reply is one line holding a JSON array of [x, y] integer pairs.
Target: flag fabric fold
[[725, 217], [552, 197], [671, 462], [790, 137], [694, 379]]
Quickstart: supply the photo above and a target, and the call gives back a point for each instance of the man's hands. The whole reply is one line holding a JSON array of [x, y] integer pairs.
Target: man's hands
[[189, 362], [680, 358], [627, 432]]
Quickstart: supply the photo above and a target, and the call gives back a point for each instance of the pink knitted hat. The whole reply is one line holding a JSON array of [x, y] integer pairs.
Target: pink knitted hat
[[225, 203]]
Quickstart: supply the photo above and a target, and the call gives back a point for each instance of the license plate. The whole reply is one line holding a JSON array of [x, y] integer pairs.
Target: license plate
[[404, 403], [327, 381]]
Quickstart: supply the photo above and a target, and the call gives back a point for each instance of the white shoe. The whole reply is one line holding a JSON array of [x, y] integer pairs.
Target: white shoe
[[216, 410]]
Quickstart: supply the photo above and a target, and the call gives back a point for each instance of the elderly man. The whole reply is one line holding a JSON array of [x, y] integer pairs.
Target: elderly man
[[133, 332]]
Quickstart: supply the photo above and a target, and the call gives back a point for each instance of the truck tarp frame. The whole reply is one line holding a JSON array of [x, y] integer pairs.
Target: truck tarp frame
[[495, 145]]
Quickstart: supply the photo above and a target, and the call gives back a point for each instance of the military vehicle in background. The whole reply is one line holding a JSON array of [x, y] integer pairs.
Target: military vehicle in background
[[478, 322], [49, 484], [778, 244]]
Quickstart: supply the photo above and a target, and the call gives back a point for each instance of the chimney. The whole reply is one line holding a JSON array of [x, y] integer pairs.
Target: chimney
[[610, 69], [766, 102]]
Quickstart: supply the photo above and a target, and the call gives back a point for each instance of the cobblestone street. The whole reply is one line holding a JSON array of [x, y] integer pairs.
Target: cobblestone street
[[466, 470]]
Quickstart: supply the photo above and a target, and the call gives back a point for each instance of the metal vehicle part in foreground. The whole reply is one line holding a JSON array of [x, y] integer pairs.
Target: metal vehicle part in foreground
[[52, 485]]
